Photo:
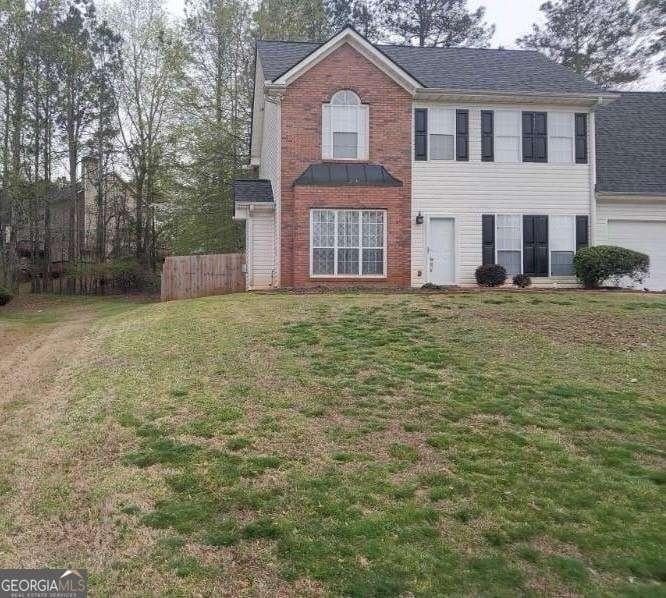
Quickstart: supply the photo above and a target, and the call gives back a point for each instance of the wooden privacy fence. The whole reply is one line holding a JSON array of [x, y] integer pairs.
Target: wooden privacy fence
[[188, 276]]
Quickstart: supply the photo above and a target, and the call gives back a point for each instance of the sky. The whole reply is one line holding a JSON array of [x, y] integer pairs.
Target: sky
[[512, 18]]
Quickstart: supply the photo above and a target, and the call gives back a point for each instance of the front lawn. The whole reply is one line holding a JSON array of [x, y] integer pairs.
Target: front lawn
[[352, 444]]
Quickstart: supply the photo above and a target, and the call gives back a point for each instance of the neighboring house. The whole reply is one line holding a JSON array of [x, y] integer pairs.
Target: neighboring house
[[401, 166], [631, 178], [114, 221]]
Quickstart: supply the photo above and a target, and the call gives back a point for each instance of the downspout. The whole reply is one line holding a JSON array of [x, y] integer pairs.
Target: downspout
[[593, 172]]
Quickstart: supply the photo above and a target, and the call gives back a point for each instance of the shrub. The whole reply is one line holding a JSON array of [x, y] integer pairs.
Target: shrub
[[522, 280], [129, 275], [594, 265], [5, 296], [490, 275]]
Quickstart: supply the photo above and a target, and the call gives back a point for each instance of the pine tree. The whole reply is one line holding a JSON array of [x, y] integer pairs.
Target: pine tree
[[360, 14], [595, 38], [652, 16], [436, 23]]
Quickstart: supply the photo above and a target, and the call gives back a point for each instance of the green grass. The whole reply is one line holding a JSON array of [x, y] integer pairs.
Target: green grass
[[382, 445]]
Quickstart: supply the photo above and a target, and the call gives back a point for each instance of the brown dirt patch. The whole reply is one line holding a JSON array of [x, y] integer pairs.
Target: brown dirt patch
[[605, 329]]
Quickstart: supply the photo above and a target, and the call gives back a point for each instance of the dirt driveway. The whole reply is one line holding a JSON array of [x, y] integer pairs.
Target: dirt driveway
[[43, 341], [33, 355]]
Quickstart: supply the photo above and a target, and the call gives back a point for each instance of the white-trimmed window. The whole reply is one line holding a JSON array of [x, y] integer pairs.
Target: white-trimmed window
[[347, 243], [508, 132], [562, 244], [509, 246], [561, 137], [344, 127], [442, 127]]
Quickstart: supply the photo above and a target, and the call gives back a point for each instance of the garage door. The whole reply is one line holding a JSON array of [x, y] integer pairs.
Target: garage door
[[645, 236]]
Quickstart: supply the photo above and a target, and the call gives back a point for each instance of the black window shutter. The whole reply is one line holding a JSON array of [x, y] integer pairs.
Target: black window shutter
[[540, 137], [487, 239], [421, 134], [582, 232], [535, 137], [487, 136], [462, 135], [535, 245], [581, 138]]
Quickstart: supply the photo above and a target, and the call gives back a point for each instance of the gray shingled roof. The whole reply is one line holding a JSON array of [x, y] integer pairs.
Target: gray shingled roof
[[253, 190], [631, 144], [451, 68], [345, 175]]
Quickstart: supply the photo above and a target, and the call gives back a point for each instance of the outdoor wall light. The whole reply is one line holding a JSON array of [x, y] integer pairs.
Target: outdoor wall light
[[419, 218]]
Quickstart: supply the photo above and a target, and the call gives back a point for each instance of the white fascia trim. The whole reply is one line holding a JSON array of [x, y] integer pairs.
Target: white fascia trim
[[361, 45], [624, 196], [443, 94]]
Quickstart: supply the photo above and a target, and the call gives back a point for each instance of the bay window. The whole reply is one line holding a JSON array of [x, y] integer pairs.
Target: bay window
[[347, 242]]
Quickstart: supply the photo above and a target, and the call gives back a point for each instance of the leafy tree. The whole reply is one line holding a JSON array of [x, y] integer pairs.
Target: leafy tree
[[216, 94], [652, 26], [436, 23], [146, 98], [596, 38], [296, 20]]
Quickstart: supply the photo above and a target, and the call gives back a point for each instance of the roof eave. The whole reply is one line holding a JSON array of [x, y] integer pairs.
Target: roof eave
[[622, 195], [443, 94]]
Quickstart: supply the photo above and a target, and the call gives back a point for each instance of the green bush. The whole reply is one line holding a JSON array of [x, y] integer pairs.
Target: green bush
[[522, 280], [594, 265], [130, 275], [490, 275], [5, 296]]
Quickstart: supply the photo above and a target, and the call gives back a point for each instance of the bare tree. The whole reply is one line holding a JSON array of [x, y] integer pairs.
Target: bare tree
[[145, 88]]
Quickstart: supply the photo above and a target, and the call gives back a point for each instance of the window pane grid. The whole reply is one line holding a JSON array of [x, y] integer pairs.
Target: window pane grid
[[348, 242], [509, 241], [562, 235]]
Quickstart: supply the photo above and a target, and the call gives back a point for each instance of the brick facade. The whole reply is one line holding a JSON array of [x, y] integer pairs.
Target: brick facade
[[389, 145]]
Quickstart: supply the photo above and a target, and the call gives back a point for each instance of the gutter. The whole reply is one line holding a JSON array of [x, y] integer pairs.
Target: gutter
[[510, 96]]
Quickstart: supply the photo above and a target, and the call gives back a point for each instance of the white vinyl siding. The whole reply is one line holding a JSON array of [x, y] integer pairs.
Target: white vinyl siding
[[348, 243], [561, 244], [508, 145], [561, 138], [466, 190]]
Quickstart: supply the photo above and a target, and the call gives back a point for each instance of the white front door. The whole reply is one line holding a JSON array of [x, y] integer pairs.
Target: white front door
[[441, 251]]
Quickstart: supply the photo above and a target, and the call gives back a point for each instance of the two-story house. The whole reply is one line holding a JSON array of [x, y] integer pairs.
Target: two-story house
[[400, 166]]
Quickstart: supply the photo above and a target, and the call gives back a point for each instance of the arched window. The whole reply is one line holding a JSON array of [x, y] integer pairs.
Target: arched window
[[345, 97], [345, 127]]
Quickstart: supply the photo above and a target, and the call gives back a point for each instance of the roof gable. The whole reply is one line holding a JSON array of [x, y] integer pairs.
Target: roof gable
[[349, 36]]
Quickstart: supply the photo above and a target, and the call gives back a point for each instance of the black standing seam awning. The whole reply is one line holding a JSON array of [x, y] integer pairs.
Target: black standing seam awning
[[336, 174], [252, 191]]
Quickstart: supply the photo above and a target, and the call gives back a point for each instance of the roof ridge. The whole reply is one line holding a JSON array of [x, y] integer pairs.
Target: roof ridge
[[382, 45], [455, 48], [638, 91], [289, 41]]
